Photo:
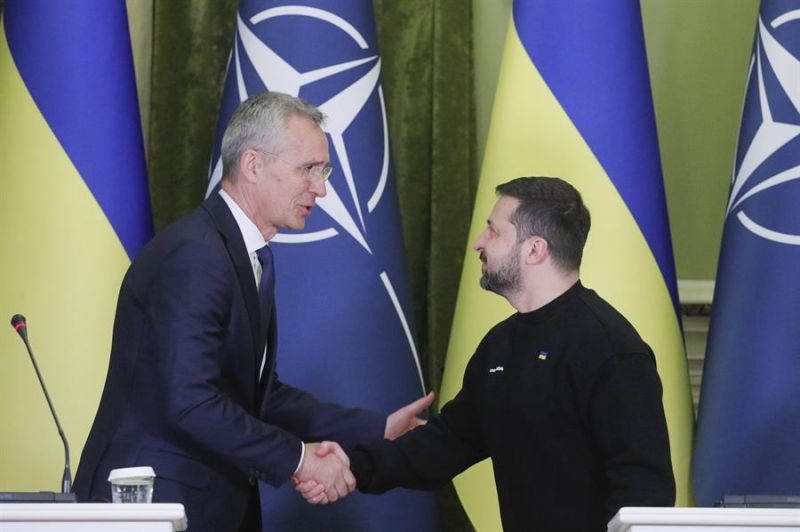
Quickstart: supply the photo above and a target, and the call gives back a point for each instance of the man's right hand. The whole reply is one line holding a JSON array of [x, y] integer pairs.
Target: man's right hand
[[324, 476]]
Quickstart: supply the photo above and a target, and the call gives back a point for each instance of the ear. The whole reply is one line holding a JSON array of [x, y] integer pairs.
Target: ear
[[536, 250], [249, 164]]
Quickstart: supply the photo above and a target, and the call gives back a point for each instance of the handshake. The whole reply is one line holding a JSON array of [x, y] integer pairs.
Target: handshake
[[324, 476]]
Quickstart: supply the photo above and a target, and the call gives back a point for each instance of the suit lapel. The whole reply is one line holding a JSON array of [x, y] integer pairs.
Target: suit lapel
[[232, 236]]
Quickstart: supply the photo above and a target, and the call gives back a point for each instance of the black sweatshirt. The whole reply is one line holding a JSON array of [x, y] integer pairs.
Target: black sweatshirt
[[566, 401]]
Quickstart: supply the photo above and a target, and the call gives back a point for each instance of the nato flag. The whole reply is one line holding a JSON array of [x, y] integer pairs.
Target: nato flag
[[346, 329], [749, 421]]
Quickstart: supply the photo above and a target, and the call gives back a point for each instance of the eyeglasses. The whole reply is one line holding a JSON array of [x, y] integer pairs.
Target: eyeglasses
[[308, 172]]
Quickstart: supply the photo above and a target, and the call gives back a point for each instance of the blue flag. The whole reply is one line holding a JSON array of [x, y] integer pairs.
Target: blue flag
[[346, 329], [748, 436], [74, 212]]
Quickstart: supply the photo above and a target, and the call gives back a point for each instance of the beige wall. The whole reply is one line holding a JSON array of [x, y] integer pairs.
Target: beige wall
[[698, 52]]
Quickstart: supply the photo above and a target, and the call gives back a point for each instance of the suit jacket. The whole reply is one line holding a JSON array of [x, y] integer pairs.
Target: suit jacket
[[182, 393]]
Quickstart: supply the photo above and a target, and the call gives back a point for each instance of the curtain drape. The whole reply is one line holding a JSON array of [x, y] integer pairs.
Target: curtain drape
[[191, 44], [426, 48]]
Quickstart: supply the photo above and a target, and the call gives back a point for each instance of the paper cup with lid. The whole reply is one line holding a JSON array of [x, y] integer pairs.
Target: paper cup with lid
[[132, 484]]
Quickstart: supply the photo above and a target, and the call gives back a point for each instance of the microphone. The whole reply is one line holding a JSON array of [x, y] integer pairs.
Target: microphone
[[19, 324]]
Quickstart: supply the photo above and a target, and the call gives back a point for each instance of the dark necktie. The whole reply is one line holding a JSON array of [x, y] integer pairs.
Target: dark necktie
[[266, 286], [266, 290]]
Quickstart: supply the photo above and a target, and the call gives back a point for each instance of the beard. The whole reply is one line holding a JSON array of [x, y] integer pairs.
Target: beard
[[505, 280]]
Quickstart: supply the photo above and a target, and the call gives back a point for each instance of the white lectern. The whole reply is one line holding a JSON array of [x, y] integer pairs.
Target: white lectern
[[90, 517], [631, 519]]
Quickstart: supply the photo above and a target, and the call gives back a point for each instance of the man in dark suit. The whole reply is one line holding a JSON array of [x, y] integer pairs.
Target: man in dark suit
[[191, 388]]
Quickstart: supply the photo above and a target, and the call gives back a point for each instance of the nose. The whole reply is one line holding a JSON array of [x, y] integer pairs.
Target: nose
[[479, 243], [318, 188]]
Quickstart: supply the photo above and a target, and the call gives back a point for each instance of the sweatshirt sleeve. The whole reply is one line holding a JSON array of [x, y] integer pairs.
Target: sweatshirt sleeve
[[430, 455], [629, 429]]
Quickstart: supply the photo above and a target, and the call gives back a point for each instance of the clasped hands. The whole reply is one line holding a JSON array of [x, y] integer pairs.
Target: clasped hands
[[325, 476]]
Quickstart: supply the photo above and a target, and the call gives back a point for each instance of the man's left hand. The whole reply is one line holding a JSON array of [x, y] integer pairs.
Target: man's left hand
[[406, 418]]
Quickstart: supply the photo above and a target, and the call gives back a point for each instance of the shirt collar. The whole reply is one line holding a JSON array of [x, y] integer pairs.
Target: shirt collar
[[253, 239]]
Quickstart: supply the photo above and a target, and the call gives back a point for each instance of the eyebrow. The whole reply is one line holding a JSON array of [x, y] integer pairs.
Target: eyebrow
[[316, 162]]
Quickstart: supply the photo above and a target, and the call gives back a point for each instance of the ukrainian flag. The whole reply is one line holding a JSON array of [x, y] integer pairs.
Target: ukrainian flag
[[74, 211], [573, 100]]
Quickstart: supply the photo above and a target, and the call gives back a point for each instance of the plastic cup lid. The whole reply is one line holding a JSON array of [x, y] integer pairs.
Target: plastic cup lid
[[129, 473]]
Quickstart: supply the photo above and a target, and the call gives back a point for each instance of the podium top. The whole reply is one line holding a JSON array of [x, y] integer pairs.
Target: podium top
[[95, 513], [629, 518]]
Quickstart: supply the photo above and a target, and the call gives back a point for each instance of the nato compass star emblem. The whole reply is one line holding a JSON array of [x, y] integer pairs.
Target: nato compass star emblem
[[773, 126], [356, 89]]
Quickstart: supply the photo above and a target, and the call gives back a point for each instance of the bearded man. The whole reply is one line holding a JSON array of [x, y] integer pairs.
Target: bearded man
[[563, 396]]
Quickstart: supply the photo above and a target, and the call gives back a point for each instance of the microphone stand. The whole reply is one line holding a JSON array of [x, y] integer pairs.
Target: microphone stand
[[66, 495]]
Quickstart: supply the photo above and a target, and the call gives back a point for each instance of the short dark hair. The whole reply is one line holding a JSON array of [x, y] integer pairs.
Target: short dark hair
[[552, 209]]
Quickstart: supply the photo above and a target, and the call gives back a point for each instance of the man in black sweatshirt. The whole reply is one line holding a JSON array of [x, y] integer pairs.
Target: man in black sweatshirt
[[563, 396]]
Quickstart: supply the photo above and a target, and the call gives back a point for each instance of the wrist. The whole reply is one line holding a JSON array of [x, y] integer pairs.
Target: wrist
[[362, 466], [301, 460]]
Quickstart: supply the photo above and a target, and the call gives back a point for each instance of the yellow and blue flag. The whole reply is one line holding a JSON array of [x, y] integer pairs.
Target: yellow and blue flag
[[748, 427], [74, 212], [573, 100], [345, 321]]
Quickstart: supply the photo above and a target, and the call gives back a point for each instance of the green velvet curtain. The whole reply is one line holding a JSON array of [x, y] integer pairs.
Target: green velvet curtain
[[426, 46], [191, 44]]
